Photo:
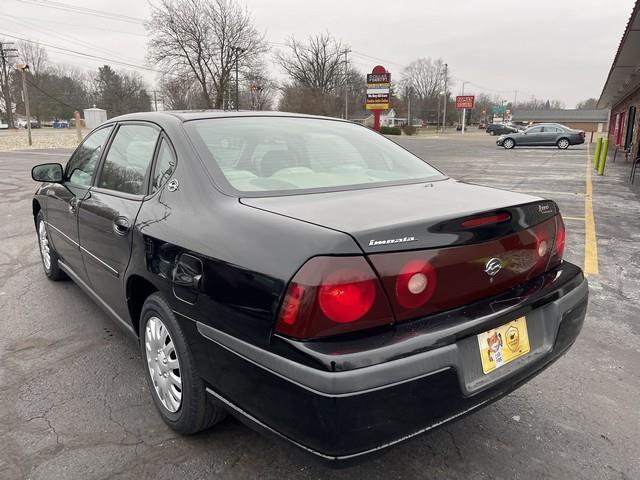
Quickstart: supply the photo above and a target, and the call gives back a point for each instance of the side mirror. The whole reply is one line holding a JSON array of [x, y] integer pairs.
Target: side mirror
[[47, 172]]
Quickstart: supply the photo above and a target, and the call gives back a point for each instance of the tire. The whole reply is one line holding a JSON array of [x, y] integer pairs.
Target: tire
[[48, 255], [508, 143], [563, 143], [195, 411], [492, 133]]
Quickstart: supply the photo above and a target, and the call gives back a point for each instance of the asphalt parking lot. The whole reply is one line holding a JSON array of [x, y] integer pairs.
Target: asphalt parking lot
[[74, 402]]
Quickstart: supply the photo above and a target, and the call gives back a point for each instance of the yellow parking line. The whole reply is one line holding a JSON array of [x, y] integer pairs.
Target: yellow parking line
[[590, 241]]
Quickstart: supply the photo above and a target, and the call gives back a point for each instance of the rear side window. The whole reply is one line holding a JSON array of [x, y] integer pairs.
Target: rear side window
[[128, 159], [83, 162], [165, 165]]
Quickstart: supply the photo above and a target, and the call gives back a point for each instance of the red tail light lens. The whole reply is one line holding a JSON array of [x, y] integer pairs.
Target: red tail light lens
[[345, 296], [558, 247], [331, 296]]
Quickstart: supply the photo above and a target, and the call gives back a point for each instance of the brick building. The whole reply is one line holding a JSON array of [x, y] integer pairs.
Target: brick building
[[621, 92]]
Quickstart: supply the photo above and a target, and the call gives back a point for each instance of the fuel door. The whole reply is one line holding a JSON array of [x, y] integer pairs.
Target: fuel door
[[187, 278]]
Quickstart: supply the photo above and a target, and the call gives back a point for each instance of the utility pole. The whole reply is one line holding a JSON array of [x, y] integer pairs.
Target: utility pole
[[346, 85], [238, 51], [408, 106], [23, 68], [7, 52], [444, 115], [155, 100], [515, 98], [464, 111]]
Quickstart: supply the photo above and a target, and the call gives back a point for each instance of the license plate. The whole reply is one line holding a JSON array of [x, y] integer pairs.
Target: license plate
[[503, 344]]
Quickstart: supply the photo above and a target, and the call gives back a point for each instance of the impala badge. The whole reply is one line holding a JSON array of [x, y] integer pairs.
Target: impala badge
[[493, 266]]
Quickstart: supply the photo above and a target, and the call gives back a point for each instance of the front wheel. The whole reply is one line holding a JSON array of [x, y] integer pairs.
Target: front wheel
[[508, 144], [492, 133], [172, 375], [563, 143]]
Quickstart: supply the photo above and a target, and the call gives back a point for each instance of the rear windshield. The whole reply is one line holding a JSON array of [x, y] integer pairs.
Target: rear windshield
[[277, 155]]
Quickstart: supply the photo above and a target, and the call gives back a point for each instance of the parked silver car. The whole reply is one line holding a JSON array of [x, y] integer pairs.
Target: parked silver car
[[542, 134]]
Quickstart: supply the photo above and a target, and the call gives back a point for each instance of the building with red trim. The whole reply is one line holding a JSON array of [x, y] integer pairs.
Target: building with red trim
[[621, 92]]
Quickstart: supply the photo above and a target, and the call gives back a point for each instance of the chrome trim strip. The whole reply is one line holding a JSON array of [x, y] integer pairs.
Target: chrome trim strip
[[64, 235], [342, 457], [74, 276], [108, 267]]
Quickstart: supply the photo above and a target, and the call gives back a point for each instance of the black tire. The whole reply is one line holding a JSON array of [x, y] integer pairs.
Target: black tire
[[53, 271], [197, 410], [563, 143], [492, 133], [508, 143]]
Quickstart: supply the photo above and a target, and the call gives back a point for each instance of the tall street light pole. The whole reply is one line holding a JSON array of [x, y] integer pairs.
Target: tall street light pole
[[238, 51], [464, 111], [444, 115], [346, 85], [23, 68]]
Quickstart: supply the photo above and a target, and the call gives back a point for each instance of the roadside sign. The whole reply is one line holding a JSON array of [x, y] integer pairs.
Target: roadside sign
[[465, 101], [498, 109], [378, 91]]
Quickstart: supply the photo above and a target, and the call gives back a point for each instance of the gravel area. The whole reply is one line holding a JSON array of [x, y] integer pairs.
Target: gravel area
[[45, 138]]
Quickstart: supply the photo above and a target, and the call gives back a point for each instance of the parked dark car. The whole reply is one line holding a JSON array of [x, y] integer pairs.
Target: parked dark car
[[307, 274], [500, 128], [543, 134]]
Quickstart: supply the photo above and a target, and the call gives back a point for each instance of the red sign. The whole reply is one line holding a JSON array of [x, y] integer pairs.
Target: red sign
[[465, 101]]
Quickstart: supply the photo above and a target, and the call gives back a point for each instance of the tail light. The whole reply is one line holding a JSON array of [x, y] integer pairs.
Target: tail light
[[558, 247], [333, 295]]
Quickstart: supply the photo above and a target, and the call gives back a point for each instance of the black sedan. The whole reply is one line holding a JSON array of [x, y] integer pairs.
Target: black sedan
[[307, 275], [500, 128], [544, 134]]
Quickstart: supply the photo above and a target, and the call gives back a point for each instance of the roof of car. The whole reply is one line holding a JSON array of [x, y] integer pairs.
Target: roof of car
[[186, 115]]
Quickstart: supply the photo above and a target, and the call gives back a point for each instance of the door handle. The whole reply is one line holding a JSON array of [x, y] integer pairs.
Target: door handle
[[121, 225], [73, 203]]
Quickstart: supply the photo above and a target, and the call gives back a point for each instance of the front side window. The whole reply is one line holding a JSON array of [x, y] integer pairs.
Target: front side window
[[165, 165], [271, 155], [535, 130], [83, 162], [128, 159]]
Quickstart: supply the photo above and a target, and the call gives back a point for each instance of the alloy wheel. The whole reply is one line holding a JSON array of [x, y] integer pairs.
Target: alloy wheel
[[563, 143], [508, 143], [44, 246], [164, 367]]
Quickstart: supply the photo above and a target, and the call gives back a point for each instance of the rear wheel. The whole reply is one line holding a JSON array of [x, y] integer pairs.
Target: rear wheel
[[563, 143], [492, 133], [172, 375], [508, 143], [47, 253]]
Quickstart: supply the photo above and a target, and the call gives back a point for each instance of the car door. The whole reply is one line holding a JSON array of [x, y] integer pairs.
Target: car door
[[107, 215], [532, 136], [64, 200], [550, 135]]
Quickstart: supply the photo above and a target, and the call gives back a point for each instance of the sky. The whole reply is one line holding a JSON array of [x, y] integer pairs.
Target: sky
[[550, 49]]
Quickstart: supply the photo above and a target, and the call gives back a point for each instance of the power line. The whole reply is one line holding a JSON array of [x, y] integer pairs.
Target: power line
[[87, 55], [83, 11]]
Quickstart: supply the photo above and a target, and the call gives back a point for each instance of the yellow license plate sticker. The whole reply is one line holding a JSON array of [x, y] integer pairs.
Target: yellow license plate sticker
[[503, 344]]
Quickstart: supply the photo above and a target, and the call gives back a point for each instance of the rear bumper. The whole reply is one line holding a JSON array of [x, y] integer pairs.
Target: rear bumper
[[399, 385]]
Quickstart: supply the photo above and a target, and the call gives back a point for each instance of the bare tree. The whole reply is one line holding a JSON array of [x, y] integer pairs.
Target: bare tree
[[589, 103], [260, 89], [204, 39], [181, 93], [34, 55], [317, 65], [425, 77]]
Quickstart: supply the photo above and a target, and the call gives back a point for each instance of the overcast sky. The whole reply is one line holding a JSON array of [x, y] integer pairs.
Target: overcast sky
[[556, 49]]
